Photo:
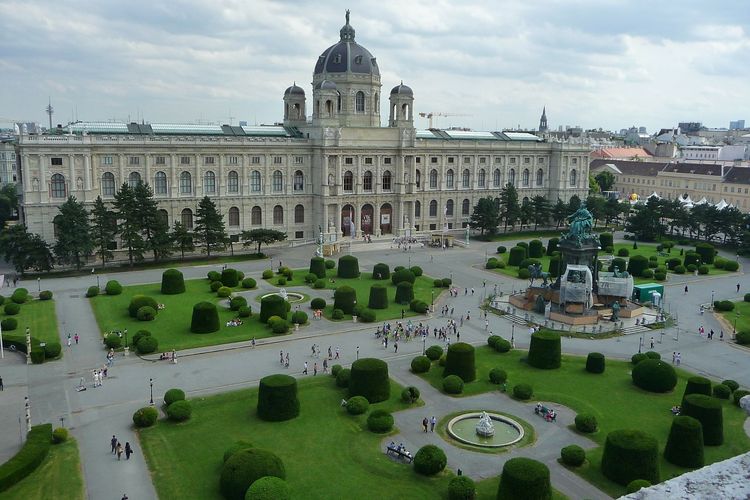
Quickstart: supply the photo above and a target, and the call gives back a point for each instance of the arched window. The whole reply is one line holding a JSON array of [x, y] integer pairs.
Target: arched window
[[163, 217], [186, 218], [186, 183], [433, 208], [359, 102], [573, 178], [233, 182], [449, 208], [512, 177], [299, 214], [418, 178], [417, 209], [234, 217], [540, 177], [465, 207], [108, 184], [160, 183], [256, 216], [367, 181], [348, 181], [277, 181], [433, 179], [449, 179], [278, 215], [299, 180], [133, 179], [466, 179], [496, 178], [57, 186], [209, 182], [255, 181], [525, 177], [482, 179], [387, 180]]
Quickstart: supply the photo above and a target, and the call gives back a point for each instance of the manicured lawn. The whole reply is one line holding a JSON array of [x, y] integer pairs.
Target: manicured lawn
[[741, 314], [518, 235], [39, 316], [59, 476], [611, 397], [172, 324], [424, 290]]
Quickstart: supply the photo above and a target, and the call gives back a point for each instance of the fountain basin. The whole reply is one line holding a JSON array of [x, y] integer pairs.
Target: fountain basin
[[463, 428], [291, 297]]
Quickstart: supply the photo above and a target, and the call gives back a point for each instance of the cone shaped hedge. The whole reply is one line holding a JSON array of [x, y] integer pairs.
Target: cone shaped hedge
[[369, 378], [318, 267], [708, 412], [205, 318], [344, 298], [172, 282], [685, 443], [272, 305], [277, 398], [460, 361], [524, 478], [630, 455], [378, 297], [544, 350], [348, 267]]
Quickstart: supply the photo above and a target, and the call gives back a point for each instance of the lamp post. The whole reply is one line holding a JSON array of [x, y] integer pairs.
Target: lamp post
[[424, 342], [126, 337], [39, 284], [712, 300], [28, 346], [640, 344], [2, 351], [512, 336], [27, 405], [320, 240], [97, 281], [151, 385], [432, 300], [357, 352]]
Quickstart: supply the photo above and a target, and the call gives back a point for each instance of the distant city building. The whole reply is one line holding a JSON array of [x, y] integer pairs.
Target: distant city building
[[689, 127], [737, 125], [621, 153], [8, 162], [543, 120]]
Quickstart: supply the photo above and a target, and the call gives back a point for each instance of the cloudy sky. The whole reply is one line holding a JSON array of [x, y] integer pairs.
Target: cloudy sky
[[594, 63]]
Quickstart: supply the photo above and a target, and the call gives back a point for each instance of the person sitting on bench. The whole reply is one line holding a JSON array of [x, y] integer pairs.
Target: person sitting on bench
[[539, 408], [551, 416]]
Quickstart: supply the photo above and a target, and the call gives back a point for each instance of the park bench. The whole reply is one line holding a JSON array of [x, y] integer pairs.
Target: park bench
[[402, 454], [542, 412]]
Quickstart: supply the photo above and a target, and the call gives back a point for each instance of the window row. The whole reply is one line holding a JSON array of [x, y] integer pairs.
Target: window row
[[484, 160], [386, 181], [188, 160], [448, 210], [497, 178], [233, 216]]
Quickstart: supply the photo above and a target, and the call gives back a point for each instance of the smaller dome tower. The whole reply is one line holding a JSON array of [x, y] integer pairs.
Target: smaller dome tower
[[402, 107], [294, 106], [327, 104]]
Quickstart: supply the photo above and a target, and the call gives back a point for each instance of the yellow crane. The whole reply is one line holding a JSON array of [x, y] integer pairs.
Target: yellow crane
[[429, 115]]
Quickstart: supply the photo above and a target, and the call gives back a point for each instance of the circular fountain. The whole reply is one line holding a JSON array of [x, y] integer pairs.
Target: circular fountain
[[487, 430], [290, 297]]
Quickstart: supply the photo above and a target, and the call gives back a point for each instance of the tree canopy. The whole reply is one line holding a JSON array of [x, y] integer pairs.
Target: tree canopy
[[261, 237]]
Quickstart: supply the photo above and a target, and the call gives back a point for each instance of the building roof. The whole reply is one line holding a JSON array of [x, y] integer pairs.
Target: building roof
[[179, 129], [738, 175], [346, 56], [476, 135], [402, 89], [294, 90], [621, 153], [652, 168]]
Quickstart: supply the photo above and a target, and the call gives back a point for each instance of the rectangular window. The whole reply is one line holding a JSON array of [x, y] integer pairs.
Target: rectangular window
[[255, 160], [451, 160], [368, 161], [482, 160], [134, 160], [386, 161], [526, 160], [298, 160], [184, 160], [56, 162], [498, 160], [161, 160], [433, 227], [575, 161], [106, 160], [299, 234], [277, 160], [540, 161], [419, 160], [209, 160], [349, 161], [467, 160], [512, 161], [233, 160], [433, 160]]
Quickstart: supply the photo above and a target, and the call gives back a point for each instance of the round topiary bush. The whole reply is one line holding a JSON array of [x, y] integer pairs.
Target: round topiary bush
[[273, 305], [145, 417], [447, 282], [244, 468], [434, 352], [685, 443], [732, 384], [172, 282], [742, 338], [214, 276], [378, 297], [179, 411], [357, 405], [501, 345], [146, 313], [139, 335], [344, 298], [524, 478], [215, 285], [418, 306], [380, 421], [249, 283], [586, 423], [708, 412], [173, 395], [348, 267], [523, 392], [697, 385], [205, 318], [93, 291], [318, 303], [420, 364], [462, 488], [277, 398], [381, 271], [691, 259], [544, 350], [623, 252], [45, 295], [337, 314], [654, 375], [237, 302], [60, 435], [680, 269], [8, 324], [245, 312], [498, 376], [318, 267], [343, 376], [460, 361], [606, 240], [404, 293], [516, 255], [491, 263], [637, 264], [573, 455], [239, 445], [410, 394], [11, 308], [453, 384], [738, 395], [311, 278], [319, 284], [299, 317], [267, 274], [536, 249], [416, 271], [224, 292], [278, 325], [637, 358], [112, 341], [429, 460], [595, 362], [147, 345], [502, 249], [139, 301], [230, 278], [330, 264], [706, 251], [653, 355], [647, 273], [335, 369], [403, 275], [524, 274], [629, 455], [369, 378], [660, 275], [636, 485], [113, 287], [269, 488]]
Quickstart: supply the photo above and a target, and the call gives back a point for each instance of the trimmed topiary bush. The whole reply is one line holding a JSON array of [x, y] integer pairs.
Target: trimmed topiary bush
[[516, 256], [420, 364], [267, 274], [404, 293], [501, 345], [343, 376], [139, 301], [498, 376], [708, 412], [277, 398], [237, 302], [429, 460], [145, 417], [524, 478], [691, 258], [636, 485], [318, 303], [380, 421], [205, 318], [357, 405], [573, 455], [630, 455], [460, 360], [179, 411], [680, 269], [269, 488], [239, 445], [11, 308], [146, 345], [501, 249], [536, 249], [215, 285], [224, 292], [706, 251], [462, 488], [453, 384], [344, 298], [245, 312], [244, 468], [249, 283], [743, 338], [685, 443], [53, 350], [653, 355], [369, 378], [697, 385], [381, 271], [732, 384], [45, 295], [739, 394], [524, 273], [617, 264], [20, 295], [410, 394], [172, 282], [378, 297], [278, 325], [112, 341], [272, 305], [37, 355], [139, 335], [214, 276], [447, 282], [544, 350], [230, 277], [654, 375], [434, 352], [330, 264], [595, 362], [173, 395], [113, 287], [418, 306], [637, 264], [623, 252], [318, 267], [59, 435], [337, 314], [403, 275], [637, 358], [93, 291], [299, 317], [523, 392], [586, 423], [146, 313], [606, 240], [416, 271], [348, 267], [28, 458], [9, 324]]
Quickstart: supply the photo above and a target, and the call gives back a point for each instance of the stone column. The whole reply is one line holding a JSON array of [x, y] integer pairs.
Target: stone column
[[87, 173], [72, 185]]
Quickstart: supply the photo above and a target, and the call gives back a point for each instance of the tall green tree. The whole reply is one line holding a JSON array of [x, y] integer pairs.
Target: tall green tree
[[542, 210], [527, 212], [103, 229], [127, 211], [606, 180], [260, 237], [559, 213], [25, 250], [155, 231], [510, 209], [593, 185], [74, 243], [182, 239], [645, 222], [8, 203], [611, 210], [595, 204], [209, 226], [485, 216]]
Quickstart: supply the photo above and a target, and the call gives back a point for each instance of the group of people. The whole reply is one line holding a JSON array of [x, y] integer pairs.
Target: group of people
[[702, 333], [549, 414], [676, 358], [400, 448], [98, 375], [234, 322], [429, 423], [317, 313], [117, 448], [71, 338]]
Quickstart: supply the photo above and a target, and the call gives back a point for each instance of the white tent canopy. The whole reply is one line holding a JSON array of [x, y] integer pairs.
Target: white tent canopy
[[722, 205], [654, 195], [686, 200], [702, 201]]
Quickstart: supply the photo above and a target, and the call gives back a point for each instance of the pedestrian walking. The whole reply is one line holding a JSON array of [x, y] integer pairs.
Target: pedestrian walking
[[721, 338], [686, 289], [678, 359], [315, 369], [738, 288], [119, 451], [128, 451], [286, 362], [304, 372], [281, 357], [2, 388], [472, 290], [252, 343], [76, 338], [325, 365], [674, 357], [402, 314], [433, 421], [329, 353], [425, 423], [337, 352], [652, 342], [468, 315], [113, 443], [486, 325]]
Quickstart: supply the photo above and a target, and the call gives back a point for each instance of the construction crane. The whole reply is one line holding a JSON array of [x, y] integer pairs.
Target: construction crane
[[432, 114]]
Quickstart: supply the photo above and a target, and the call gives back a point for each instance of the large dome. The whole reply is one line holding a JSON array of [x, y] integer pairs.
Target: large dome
[[346, 56]]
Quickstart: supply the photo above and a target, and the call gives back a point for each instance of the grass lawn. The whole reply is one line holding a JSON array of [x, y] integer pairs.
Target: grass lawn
[[172, 324], [39, 316], [424, 290], [59, 476], [611, 397], [741, 314], [518, 235]]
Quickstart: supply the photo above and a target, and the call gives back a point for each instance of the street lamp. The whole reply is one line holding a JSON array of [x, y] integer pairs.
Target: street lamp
[[432, 300], [126, 337], [424, 342], [151, 385], [27, 405], [39, 284], [97, 281], [512, 336], [712, 300], [640, 344]]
